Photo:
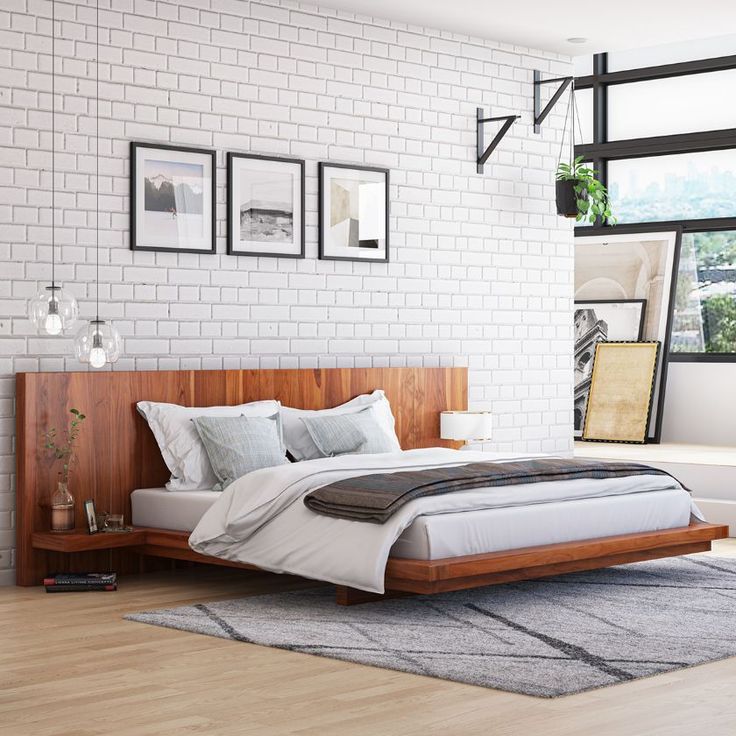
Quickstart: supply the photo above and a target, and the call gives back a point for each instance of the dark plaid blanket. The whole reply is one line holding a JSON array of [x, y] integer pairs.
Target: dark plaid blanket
[[374, 498]]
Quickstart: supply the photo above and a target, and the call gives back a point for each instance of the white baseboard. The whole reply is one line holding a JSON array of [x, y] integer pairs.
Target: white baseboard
[[718, 511]]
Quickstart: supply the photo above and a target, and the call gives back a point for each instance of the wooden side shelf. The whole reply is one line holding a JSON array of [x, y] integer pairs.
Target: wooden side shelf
[[76, 541]]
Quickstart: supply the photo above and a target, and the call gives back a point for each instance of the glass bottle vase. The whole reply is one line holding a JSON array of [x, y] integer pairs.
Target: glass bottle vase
[[62, 509]]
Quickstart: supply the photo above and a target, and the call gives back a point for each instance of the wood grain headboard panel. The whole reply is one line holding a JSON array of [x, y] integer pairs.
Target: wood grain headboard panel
[[117, 452]]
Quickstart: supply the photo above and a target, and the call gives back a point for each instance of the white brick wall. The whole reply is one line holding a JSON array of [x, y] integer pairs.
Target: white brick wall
[[481, 267]]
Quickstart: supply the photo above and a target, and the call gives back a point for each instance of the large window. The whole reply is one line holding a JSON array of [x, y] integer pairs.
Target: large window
[[660, 127], [682, 104], [682, 186], [705, 303]]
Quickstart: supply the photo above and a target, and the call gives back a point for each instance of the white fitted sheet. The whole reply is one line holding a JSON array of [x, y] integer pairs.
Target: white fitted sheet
[[512, 527], [469, 532], [176, 510]]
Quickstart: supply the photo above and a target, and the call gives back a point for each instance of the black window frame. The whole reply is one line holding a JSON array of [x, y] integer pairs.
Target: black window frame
[[601, 151]]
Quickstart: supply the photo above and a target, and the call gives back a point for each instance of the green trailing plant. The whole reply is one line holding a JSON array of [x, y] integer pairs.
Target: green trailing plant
[[64, 449], [591, 197]]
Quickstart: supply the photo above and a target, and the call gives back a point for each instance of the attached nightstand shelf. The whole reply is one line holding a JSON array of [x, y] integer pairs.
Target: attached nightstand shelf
[[77, 541]]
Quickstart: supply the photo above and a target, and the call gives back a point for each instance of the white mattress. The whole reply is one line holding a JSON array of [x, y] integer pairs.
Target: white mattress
[[177, 510], [470, 532], [492, 530]]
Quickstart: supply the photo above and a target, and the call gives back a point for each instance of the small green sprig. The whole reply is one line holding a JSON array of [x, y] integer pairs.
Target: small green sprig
[[65, 451], [590, 195]]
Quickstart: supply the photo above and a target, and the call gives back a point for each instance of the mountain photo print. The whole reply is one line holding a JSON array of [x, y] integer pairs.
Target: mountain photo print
[[172, 190]]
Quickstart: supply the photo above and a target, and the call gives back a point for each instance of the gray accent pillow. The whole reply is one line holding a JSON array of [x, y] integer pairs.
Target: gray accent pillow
[[240, 445], [341, 434]]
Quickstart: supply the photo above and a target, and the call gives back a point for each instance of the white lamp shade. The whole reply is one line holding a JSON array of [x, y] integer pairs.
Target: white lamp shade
[[466, 425]]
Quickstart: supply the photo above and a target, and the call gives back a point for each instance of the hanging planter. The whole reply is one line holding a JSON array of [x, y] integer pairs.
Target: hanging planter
[[567, 201], [578, 192]]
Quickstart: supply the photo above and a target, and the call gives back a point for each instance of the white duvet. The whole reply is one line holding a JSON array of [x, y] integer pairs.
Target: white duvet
[[261, 518]]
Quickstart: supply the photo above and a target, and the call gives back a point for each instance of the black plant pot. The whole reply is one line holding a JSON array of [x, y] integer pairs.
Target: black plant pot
[[567, 199]]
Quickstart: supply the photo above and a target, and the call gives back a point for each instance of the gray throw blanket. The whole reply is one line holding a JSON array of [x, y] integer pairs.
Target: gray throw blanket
[[374, 498]]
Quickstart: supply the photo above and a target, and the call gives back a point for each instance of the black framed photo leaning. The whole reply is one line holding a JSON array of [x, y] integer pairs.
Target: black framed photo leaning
[[172, 198], [89, 512], [353, 213], [265, 206], [600, 320]]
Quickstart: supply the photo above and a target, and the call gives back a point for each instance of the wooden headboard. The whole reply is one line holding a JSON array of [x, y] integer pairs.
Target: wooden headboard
[[117, 452]]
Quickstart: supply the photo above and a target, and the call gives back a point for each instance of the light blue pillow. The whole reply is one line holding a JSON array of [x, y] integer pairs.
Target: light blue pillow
[[240, 445], [342, 434]]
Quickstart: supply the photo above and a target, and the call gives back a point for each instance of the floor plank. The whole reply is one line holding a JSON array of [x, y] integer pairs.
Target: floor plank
[[71, 666]]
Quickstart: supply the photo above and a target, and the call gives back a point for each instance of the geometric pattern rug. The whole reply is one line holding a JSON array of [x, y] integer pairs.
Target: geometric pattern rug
[[548, 637]]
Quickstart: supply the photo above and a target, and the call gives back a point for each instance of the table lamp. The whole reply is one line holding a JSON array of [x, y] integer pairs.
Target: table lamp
[[470, 426]]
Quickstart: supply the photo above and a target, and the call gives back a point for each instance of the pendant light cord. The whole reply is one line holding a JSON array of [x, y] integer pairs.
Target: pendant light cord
[[97, 169], [53, 145]]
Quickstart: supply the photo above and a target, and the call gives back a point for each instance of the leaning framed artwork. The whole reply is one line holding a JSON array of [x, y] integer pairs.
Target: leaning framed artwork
[[353, 213], [621, 392], [633, 262], [598, 320], [265, 206], [172, 198]]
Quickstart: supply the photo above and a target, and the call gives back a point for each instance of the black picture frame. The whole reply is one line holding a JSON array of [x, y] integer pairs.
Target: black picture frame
[[584, 385], [91, 514], [642, 314], [232, 249], [134, 229], [645, 232], [323, 165]]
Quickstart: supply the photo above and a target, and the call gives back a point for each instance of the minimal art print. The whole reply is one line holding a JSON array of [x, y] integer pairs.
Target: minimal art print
[[634, 264], [353, 213], [265, 206], [172, 193], [598, 321]]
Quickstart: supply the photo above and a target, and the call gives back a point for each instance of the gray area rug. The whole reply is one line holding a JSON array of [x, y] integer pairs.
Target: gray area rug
[[547, 637]]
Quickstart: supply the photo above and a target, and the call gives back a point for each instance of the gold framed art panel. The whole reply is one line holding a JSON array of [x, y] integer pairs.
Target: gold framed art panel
[[621, 392]]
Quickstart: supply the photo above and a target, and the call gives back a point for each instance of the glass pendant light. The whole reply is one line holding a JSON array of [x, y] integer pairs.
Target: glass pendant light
[[53, 310], [98, 342]]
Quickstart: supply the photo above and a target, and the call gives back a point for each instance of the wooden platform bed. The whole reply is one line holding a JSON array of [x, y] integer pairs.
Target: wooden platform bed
[[118, 454]]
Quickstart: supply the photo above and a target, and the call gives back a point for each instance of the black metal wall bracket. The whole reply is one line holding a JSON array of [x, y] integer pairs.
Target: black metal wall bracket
[[484, 153], [539, 113]]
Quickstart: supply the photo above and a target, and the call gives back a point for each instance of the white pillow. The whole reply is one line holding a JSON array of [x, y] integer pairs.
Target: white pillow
[[180, 445], [301, 445]]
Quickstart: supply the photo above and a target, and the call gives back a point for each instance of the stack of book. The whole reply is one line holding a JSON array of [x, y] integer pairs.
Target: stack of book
[[67, 582]]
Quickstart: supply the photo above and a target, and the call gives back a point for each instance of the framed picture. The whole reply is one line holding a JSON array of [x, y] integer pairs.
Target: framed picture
[[172, 198], [634, 263], [353, 213], [597, 320], [89, 511], [265, 206], [621, 392]]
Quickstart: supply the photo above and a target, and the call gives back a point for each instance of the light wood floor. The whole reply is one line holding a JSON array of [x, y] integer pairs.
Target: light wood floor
[[71, 666]]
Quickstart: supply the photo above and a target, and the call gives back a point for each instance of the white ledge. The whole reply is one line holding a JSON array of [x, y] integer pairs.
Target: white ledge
[[662, 453]]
